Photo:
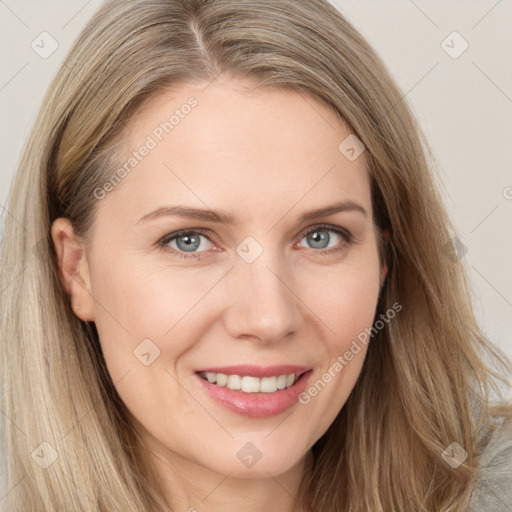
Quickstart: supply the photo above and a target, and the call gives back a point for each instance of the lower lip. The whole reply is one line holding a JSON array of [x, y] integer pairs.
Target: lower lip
[[256, 405]]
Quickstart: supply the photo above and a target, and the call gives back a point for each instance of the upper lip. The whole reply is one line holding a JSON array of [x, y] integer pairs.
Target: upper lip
[[257, 371]]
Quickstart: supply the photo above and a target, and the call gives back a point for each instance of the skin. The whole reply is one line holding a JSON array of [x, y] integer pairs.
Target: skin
[[265, 156]]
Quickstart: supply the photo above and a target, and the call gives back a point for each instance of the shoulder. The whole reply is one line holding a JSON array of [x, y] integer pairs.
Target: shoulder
[[493, 486]]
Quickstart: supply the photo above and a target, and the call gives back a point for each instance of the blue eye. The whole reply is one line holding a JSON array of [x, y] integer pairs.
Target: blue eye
[[318, 237], [188, 241]]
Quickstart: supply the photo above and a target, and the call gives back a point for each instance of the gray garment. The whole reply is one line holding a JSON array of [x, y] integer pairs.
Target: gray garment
[[493, 488]]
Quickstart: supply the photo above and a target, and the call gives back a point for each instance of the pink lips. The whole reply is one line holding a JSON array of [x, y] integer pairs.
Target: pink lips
[[256, 405]]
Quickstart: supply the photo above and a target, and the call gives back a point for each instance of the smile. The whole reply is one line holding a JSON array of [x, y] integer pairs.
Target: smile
[[274, 391], [248, 384]]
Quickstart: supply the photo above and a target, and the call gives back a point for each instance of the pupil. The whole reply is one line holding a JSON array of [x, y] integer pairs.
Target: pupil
[[317, 237], [190, 241]]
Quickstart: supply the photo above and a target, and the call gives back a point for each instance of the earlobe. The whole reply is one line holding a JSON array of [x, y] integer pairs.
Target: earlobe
[[73, 268], [384, 271]]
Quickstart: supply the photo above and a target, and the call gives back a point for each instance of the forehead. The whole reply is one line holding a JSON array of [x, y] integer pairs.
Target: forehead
[[261, 150]]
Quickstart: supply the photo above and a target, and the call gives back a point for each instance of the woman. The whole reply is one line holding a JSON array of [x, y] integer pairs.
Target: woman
[[237, 288]]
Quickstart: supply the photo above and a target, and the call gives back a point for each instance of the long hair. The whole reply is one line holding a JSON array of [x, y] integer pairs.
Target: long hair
[[429, 375]]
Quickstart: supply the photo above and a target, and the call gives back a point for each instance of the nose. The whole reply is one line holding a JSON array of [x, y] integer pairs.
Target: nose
[[262, 304]]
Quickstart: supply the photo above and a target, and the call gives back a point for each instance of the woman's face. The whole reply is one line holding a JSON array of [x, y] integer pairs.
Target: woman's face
[[253, 290]]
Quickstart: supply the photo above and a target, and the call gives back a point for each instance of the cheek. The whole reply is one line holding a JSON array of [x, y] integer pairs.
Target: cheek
[[346, 307], [146, 321], [150, 317], [344, 299]]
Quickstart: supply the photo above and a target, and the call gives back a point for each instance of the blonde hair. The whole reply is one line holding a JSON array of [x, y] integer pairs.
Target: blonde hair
[[428, 376]]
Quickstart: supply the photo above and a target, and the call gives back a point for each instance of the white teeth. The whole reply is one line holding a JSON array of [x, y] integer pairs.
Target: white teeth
[[248, 384], [268, 384], [281, 382], [234, 382], [222, 379]]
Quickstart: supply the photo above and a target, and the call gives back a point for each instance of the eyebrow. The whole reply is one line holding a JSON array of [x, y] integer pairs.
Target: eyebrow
[[228, 218]]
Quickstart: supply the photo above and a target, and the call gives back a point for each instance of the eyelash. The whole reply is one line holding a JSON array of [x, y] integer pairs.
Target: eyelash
[[162, 244]]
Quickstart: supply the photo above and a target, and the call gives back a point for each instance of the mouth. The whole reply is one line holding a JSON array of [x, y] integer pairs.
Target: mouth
[[250, 395], [250, 383]]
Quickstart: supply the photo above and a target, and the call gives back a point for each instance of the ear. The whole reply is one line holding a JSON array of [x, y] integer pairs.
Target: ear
[[73, 268], [384, 271]]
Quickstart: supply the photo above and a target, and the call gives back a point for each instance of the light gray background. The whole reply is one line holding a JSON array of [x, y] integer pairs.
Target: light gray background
[[464, 105]]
